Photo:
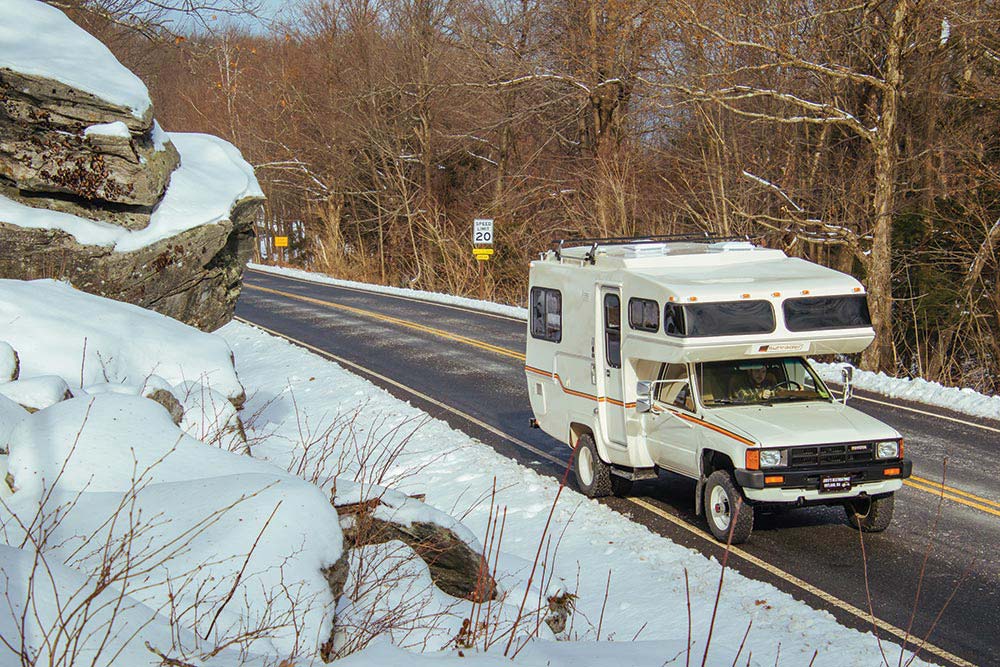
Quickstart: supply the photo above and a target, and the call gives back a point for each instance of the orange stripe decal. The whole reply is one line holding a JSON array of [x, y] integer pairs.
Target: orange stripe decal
[[573, 392], [717, 429]]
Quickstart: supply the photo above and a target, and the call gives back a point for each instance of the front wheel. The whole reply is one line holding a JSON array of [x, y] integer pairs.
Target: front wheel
[[871, 515], [726, 509], [593, 476]]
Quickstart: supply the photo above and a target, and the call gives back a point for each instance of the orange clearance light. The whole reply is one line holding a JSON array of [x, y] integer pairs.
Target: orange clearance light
[[753, 459], [775, 294], [900, 448], [774, 479], [671, 299], [692, 298], [804, 292], [745, 296], [891, 472], [857, 289]]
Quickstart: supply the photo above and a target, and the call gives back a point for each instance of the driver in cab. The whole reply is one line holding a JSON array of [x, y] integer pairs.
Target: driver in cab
[[754, 384]]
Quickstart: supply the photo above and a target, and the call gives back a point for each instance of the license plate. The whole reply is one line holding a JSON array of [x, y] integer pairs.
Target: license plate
[[830, 484]]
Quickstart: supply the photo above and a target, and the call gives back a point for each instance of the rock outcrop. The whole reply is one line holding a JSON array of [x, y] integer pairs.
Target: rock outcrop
[[93, 191]]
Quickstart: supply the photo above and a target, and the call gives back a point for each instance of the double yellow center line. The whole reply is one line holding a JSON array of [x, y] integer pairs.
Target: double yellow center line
[[929, 486]]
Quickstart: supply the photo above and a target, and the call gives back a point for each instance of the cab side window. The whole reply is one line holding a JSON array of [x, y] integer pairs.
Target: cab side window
[[546, 314], [613, 330], [674, 387]]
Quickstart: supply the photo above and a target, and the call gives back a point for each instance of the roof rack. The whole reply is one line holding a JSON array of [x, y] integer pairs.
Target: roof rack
[[596, 242]]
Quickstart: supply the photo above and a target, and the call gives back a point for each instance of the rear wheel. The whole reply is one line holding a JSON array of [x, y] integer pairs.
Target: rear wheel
[[593, 476], [726, 510], [871, 515]]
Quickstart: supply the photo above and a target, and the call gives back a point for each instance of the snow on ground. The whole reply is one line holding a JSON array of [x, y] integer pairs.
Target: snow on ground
[[964, 400], [289, 387], [212, 177], [86, 339], [38, 39]]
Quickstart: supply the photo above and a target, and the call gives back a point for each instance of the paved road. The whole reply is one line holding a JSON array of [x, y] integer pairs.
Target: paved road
[[466, 367]]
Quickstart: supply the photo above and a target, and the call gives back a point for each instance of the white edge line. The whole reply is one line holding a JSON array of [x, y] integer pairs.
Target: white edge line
[[754, 560]]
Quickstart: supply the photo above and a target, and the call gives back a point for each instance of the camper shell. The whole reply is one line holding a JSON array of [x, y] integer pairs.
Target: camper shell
[[634, 347]]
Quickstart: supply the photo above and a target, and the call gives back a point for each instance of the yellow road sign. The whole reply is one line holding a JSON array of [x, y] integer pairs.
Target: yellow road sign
[[280, 241], [482, 251]]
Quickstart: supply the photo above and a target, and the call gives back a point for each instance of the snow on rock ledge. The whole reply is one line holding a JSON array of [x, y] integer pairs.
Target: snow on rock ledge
[[58, 330], [39, 40]]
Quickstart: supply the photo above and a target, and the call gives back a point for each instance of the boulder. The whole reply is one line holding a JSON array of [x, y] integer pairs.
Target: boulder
[[37, 393], [66, 150], [94, 192], [10, 363], [370, 515]]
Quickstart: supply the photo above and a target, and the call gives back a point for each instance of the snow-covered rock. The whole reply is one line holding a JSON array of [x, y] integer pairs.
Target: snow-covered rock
[[224, 542], [209, 416], [11, 414], [10, 364], [62, 331], [95, 192], [38, 392]]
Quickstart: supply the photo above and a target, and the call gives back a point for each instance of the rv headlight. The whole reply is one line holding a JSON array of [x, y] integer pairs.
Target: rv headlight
[[887, 449], [771, 458]]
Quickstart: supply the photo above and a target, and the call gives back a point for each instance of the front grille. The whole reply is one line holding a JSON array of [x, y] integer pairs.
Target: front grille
[[826, 455]]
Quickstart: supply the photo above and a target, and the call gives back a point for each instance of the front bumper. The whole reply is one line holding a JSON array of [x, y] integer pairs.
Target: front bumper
[[802, 485]]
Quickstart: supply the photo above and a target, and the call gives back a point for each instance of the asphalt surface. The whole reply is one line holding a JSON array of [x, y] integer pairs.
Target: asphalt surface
[[935, 572]]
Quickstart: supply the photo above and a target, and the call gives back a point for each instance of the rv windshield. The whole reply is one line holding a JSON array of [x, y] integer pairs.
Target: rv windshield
[[759, 382]]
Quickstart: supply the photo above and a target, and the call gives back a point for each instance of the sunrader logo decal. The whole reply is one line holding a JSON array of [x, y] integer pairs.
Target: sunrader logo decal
[[772, 348]]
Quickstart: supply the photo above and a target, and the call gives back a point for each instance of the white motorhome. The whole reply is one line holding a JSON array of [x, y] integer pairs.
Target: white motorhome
[[690, 356]]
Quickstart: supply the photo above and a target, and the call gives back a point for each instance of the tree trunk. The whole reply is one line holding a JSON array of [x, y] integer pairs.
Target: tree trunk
[[881, 355]]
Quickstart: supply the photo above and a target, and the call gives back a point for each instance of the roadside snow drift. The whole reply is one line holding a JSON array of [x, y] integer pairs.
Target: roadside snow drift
[[57, 330]]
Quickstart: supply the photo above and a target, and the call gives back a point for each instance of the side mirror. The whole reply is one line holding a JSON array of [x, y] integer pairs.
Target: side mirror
[[847, 373], [643, 396]]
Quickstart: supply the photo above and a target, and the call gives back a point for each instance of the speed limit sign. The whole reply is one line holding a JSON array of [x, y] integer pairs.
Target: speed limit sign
[[482, 231]]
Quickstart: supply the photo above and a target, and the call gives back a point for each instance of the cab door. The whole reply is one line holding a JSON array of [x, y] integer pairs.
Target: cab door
[[612, 407], [673, 441]]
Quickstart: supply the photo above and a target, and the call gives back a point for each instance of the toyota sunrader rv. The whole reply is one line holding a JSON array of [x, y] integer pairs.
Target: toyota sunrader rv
[[691, 356]]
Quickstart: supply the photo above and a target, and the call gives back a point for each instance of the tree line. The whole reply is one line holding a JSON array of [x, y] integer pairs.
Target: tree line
[[859, 134]]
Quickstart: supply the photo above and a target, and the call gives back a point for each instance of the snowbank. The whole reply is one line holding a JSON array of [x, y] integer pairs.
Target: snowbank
[[199, 525], [39, 40], [51, 325], [964, 400], [212, 178]]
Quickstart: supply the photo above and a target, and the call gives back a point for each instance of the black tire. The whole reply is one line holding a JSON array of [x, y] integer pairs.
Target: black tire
[[729, 511], [593, 476], [620, 486], [871, 515]]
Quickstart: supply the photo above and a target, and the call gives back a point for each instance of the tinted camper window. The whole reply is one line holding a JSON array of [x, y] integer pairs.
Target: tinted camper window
[[613, 330], [546, 314], [827, 312], [726, 318], [644, 314]]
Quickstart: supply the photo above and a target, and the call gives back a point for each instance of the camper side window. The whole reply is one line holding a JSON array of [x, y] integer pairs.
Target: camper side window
[[644, 314], [613, 330], [546, 314]]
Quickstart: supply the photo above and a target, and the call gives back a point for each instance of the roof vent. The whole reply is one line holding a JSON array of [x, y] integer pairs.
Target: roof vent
[[644, 249], [729, 246]]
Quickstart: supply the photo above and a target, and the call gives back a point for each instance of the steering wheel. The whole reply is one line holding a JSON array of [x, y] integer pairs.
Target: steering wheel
[[788, 385]]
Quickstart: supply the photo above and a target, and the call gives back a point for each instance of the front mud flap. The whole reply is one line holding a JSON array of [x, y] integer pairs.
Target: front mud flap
[[699, 496]]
